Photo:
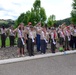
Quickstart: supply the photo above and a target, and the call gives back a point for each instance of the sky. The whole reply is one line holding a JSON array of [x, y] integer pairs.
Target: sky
[[11, 9]]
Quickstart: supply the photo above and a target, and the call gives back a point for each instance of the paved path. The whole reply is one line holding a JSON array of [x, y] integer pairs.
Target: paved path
[[57, 65]]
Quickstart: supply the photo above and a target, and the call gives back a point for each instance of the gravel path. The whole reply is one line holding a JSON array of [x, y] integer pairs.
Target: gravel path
[[11, 52]]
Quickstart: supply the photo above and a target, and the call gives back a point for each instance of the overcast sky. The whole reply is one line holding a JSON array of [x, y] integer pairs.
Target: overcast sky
[[11, 9]]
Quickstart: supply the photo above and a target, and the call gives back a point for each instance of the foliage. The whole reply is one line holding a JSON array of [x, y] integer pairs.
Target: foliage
[[7, 43], [6, 23], [51, 20], [67, 21], [73, 12], [42, 15], [20, 19], [37, 14]]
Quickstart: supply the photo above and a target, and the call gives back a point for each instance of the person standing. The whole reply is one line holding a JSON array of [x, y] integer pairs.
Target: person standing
[[53, 39], [44, 40], [74, 37], [11, 36], [67, 38], [61, 37], [27, 28], [38, 29], [3, 36], [20, 41], [31, 40]]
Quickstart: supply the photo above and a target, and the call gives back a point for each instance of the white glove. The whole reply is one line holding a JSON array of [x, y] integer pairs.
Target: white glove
[[54, 42]]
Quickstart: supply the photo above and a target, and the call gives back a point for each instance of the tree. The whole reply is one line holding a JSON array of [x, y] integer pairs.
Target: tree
[[73, 12], [42, 15], [20, 19], [37, 14], [51, 20], [27, 17], [49, 23], [33, 17]]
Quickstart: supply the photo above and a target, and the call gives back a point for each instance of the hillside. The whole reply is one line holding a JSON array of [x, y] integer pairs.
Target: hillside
[[7, 22], [67, 21], [10, 22]]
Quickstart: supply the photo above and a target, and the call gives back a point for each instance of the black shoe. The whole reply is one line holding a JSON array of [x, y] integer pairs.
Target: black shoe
[[32, 54]]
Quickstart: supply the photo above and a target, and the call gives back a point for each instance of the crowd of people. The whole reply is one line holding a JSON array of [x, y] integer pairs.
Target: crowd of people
[[40, 36]]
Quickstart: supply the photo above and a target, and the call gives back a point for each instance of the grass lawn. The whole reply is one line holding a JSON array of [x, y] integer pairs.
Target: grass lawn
[[7, 41]]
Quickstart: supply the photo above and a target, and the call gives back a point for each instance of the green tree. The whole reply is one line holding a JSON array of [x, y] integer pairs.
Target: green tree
[[27, 17], [32, 17], [37, 14], [49, 23], [73, 12], [51, 20], [20, 19], [42, 15]]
